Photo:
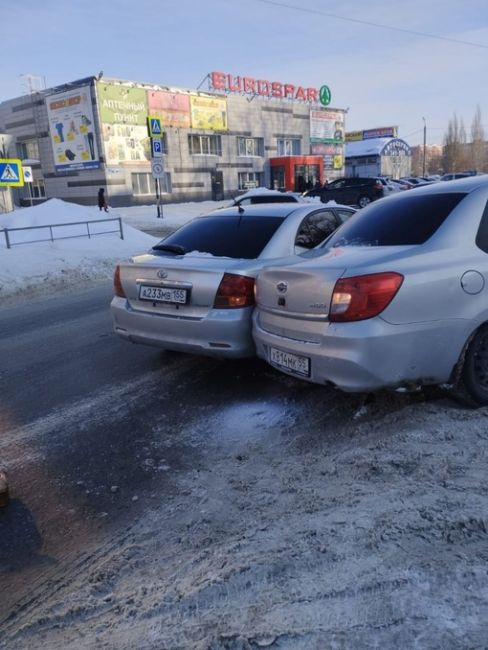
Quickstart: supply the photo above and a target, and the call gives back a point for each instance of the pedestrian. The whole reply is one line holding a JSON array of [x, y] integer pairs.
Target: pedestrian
[[102, 203]]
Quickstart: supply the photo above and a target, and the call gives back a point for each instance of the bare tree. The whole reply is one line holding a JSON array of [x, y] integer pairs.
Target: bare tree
[[454, 145], [478, 146]]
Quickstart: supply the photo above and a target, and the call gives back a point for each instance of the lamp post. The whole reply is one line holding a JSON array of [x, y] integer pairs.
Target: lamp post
[[425, 142]]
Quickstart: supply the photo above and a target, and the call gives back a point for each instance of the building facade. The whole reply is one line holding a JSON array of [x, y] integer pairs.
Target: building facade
[[384, 156], [237, 134]]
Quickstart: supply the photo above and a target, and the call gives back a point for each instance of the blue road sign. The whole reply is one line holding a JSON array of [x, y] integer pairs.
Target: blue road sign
[[154, 127], [157, 147]]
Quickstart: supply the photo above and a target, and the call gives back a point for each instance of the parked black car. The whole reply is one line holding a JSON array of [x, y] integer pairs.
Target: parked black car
[[350, 191]]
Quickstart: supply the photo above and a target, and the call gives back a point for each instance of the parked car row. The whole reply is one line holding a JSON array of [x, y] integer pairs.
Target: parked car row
[[391, 296]]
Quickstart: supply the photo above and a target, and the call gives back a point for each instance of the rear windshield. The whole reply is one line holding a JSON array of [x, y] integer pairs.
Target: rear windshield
[[400, 221], [225, 236]]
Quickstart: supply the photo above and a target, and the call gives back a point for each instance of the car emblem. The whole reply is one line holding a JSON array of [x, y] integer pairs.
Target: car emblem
[[282, 287], [162, 274]]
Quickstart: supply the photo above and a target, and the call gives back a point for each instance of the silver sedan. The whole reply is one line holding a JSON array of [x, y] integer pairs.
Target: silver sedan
[[398, 298], [194, 291]]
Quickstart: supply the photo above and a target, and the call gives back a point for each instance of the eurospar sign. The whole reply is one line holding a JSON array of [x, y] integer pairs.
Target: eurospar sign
[[229, 83]]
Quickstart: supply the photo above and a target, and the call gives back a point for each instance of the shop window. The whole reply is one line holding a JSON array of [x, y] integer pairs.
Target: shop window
[[206, 145], [289, 147], [249, 180], [28, 149], [143, 183], [250, 146]]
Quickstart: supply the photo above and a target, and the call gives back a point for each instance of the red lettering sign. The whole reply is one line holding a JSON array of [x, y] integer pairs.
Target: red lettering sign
[[249, 85], [277, 89], [263, 88], [236, 84], [217, 79]]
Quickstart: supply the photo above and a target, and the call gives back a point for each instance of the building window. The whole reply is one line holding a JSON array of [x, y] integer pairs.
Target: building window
[[289, 147], [38, 190], [207, 145], [28, 149], [248, 180], [35, 190], [250, 146], [143, 183]]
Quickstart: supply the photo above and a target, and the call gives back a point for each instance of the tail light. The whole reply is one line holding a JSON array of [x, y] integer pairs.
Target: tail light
[[118, 288], [234, 291], [378, 185], [363, 296]]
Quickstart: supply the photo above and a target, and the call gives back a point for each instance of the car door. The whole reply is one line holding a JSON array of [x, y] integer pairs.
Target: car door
[[335, 191]]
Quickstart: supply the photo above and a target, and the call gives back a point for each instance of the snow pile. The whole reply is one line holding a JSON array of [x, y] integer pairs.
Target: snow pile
[[28, 269]]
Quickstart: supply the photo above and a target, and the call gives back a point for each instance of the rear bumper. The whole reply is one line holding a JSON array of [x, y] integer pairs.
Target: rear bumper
[[369, 355], [221, 333]]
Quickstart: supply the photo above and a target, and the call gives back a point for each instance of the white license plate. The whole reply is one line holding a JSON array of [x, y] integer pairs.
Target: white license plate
[[163, 294], [293, 362]]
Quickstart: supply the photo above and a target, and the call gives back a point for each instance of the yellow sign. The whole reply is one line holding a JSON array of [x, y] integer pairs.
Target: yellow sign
[[11, 174], [208, 113]]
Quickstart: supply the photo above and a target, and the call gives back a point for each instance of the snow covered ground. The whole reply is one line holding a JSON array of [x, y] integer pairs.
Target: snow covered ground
[[43, 267]]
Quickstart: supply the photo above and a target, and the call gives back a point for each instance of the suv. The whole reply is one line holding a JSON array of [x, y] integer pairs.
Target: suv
[[350, 191]]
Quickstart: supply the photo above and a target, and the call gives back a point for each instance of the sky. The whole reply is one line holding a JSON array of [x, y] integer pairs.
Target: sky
[[387, 62]]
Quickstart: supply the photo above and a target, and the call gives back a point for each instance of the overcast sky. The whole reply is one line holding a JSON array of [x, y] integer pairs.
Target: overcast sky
[[384, 75]]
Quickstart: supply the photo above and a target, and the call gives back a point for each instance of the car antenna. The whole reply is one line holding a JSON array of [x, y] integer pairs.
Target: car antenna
[[240, 209]]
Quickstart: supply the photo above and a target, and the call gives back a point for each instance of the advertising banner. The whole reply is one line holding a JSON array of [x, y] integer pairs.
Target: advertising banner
[[72, 130], [172, 108], [354, 136], [123, 112], [333, 155], [381, 132], [326, 126], [208, 112]]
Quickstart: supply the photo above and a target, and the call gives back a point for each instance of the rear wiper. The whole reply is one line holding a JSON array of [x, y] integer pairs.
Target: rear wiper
[[172, 248]]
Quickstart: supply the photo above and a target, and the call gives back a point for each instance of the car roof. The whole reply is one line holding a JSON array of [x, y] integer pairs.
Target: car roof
[[467, 184], [276, 209]]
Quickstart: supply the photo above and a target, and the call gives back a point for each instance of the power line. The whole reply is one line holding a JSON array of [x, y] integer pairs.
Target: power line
[[371, 24]]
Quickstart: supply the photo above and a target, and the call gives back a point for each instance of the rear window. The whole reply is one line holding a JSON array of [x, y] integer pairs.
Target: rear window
[[273, 199], [400, 221], [225, 236]]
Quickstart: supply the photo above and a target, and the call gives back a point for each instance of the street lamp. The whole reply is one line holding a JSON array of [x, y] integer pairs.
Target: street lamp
[[425, 142]]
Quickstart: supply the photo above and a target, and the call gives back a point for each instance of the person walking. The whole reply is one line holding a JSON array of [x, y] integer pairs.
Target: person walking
[[102, 203]]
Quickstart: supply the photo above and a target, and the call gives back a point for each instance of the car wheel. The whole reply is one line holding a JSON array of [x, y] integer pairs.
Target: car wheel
[[473, 380], [364, 201]]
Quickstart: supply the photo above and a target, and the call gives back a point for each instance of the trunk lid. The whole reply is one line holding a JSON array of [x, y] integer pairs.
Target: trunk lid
[[183, 285]]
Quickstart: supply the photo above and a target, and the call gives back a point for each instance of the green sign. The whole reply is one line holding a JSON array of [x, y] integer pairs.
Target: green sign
[[121, 104], [325, 95]]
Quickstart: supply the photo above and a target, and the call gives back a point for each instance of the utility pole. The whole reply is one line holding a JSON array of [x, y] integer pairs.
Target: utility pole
[[425, 143]]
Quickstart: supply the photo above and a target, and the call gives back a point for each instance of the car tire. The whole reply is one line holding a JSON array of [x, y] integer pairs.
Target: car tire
[[473, 378], [363, 201]]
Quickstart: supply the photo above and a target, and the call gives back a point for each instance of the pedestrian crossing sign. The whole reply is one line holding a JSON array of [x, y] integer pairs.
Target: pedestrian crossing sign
[[11, 173], [154, 127]]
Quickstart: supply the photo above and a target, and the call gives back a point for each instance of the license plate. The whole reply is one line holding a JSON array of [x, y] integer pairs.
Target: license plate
[[163, 294], [293, 362]]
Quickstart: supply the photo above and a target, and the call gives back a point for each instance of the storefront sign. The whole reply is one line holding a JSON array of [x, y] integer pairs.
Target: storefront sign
[[123, 112], [121, 104], [208, 113], [354, 136], [381, 132], [397, 148], [72, 130], [229, 83], [172, 108]]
